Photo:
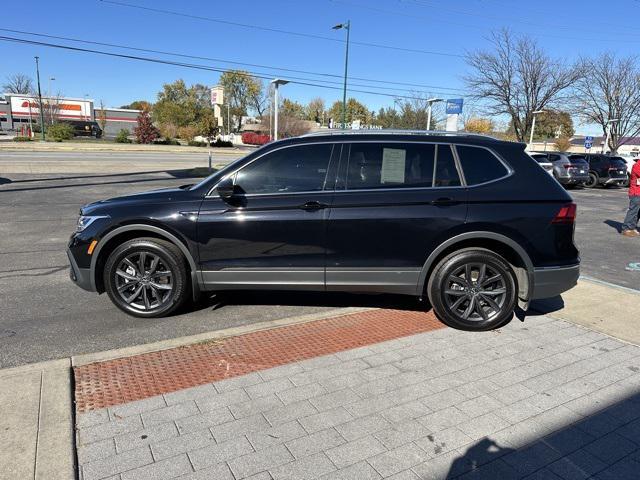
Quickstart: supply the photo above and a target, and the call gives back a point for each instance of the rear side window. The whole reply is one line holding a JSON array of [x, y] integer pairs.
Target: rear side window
[[480, 165], [400, 165]]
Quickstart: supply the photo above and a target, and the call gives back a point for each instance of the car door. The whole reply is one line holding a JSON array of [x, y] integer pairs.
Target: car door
[[394, 203], [271, 232]]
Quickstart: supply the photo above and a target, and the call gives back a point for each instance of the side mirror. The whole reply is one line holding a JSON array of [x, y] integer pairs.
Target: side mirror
[[226, 188]]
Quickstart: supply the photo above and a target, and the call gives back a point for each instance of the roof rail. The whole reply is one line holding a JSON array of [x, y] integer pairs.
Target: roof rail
[[393, 131]]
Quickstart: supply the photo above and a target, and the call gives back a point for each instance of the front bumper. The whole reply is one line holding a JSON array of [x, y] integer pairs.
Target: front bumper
[[79, 276], [552, 281]]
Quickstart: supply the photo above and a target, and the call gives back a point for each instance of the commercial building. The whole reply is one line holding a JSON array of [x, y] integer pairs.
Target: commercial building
[[18, 110]]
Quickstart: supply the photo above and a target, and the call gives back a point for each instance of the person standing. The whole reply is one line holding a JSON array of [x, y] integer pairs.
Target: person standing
[[629, 227]]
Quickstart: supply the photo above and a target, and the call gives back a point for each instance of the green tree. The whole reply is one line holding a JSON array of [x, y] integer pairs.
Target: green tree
[[138, 105], [177, 104], [553, 124], [240, 91], [355, 111], [208, 125]]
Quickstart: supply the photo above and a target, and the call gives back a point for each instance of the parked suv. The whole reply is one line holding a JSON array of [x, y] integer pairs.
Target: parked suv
[[568, 172], [603, 169], [470, 222]]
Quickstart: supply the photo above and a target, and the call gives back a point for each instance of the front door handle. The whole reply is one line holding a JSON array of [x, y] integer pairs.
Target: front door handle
[[311, 206], [444, 201]]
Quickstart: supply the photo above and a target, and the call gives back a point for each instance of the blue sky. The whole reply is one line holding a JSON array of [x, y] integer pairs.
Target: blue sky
[[566, 29]]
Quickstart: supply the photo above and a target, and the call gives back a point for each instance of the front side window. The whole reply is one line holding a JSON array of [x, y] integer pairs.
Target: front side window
[[400, 165], [301, 168], [480, 165]]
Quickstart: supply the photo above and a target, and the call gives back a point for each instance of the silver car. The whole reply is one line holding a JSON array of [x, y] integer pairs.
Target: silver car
[[568, 171]]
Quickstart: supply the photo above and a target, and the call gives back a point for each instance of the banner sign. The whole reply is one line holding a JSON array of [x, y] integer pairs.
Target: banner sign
[[454, 106], [217, 95]]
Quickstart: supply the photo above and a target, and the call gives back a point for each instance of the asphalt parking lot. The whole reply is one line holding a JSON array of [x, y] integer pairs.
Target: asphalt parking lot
[[44, 316]]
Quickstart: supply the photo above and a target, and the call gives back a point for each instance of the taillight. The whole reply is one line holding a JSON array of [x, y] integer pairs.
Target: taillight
[[567, 214]]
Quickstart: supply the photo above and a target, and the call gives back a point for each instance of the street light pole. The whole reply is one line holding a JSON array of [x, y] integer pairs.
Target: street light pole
[[276, 83], [49, 96], [347, 27], [40, 99], [533, 125], [606, 142], [430, 102]]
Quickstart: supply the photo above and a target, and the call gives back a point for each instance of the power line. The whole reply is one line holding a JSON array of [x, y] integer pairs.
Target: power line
[[194, 66], [196, 57], [281, 31]]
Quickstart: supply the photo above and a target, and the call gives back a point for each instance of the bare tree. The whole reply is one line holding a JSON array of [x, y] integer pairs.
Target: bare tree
[[609, 89], [517, 78], [18, 83]]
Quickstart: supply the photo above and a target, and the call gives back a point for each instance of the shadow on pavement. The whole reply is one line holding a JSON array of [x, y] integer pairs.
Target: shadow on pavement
[[603, 444], [545, 306], [614, 224], [312, 299], [5, 180]]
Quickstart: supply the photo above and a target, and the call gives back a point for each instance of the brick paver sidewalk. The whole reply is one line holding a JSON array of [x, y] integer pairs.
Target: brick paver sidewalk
[[385, 394]]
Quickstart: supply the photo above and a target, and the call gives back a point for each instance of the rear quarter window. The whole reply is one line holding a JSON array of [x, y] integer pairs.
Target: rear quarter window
[[480, 165]]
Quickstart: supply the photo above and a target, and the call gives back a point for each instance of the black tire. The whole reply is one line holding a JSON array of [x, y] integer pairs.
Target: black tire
[[156, 289], [473, 297], [593, 180]]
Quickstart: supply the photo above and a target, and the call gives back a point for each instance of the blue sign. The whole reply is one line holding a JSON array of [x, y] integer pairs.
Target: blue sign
[[588, 141], [454, 106]]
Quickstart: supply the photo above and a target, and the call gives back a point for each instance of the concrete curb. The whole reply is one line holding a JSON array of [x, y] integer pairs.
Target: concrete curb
[[68, 147]]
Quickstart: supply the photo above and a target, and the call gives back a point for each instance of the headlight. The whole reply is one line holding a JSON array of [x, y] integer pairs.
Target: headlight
[[85, 220]]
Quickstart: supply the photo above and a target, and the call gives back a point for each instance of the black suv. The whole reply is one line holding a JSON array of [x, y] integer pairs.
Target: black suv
[[471, 222], [603, 169]]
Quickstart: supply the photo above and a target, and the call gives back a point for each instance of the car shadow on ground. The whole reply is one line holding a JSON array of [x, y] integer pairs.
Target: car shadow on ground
[[604, 442], [311, 299]]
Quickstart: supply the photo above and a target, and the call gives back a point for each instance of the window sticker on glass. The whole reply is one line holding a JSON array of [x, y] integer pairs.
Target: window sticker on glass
[[393, 163]]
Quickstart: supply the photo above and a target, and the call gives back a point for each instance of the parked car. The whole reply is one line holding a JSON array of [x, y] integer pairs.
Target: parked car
[[85, 128], [603, 169], [544, 162], [568, 172], [470, 222]]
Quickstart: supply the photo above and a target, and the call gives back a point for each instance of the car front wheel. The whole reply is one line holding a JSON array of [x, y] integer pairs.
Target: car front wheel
[[147, 277], [473, 289]]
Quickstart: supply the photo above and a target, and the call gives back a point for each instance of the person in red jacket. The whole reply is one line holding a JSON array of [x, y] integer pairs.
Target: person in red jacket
[[629, 227]]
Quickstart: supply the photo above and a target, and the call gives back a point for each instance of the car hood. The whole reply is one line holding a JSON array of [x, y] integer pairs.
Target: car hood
[[152, 196]]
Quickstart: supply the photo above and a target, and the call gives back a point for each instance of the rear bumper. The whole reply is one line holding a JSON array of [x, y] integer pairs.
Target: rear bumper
[[572, 180], [614, 181], [79, 276], [552, 281]]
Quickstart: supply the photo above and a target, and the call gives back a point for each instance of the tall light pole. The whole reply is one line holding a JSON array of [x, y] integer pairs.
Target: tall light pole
[[347, 27], [40, 99], [276, 82], [533, 125], [430, 102], [49, 101], [606, 142]]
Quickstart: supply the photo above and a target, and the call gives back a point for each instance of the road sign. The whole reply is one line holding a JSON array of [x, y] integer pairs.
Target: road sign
[[588, 141], [588, 144]]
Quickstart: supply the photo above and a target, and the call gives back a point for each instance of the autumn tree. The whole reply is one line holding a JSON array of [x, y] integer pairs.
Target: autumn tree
[[18, 83], [315, 110], [355, 111], [138, 105], [241, 91], [562, 144], [291, 109], [102, 116], [517, 78], [609, 89], [145, 131], [479, 125]]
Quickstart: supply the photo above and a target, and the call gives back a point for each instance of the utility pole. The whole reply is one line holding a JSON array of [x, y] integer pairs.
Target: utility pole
[[40, 99], [347, 27]]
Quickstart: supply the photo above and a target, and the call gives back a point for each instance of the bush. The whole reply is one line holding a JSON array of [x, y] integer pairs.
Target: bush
[[194, 143], [123, 136], [21, 139], [219, 143], [187, 132], [60, 131], [166, 141], [251, 138]]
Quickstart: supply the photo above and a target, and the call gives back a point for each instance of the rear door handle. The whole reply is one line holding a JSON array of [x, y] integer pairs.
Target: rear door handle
[[311, 206], [444, 201]]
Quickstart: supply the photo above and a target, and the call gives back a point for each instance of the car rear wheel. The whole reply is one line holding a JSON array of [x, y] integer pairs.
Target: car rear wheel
[[147, 277], [473, 289], [592, 182]]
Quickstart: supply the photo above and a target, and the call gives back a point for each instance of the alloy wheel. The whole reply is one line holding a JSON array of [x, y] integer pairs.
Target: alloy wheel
[[475, 292], [144, 281]]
